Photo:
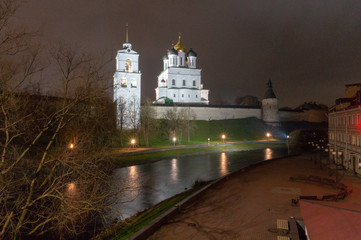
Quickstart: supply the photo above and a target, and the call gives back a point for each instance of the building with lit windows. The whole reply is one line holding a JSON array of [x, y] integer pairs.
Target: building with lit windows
[[345, 129], [180, 80], [127, 86]]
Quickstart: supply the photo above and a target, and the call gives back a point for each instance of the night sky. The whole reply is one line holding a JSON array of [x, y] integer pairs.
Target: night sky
[[309, 49]]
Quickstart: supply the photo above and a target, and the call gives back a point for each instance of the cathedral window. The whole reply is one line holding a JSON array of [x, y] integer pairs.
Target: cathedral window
[[123, 82], [182, 95], [194, 83], [128, 65], [184, 82], [133, 83], [173, 81]]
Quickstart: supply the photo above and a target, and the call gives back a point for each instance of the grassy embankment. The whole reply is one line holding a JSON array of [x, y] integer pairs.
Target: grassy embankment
[[130, 226], [123, 161]]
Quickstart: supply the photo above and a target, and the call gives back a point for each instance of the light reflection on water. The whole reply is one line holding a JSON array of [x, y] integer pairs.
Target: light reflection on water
[[174, 170], [223, 165], [143, 186], [268, 154]]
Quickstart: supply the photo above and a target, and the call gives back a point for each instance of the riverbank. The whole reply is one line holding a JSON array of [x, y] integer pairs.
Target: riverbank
[[249, 202], [136, 156]]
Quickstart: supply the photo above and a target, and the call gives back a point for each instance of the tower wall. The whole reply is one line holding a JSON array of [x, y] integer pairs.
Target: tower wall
[[270, 111]]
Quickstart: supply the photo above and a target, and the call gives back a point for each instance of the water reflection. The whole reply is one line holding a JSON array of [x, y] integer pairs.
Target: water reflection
[[133, 181], [143, 186], [268, 154], [174, 170], [223, 164]]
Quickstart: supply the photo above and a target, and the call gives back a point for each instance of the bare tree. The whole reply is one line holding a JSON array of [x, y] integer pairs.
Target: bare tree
[[121, 117], [147, 119], [52, 173]]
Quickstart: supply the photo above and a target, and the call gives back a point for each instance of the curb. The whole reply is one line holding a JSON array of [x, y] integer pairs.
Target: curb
[[152, 227]]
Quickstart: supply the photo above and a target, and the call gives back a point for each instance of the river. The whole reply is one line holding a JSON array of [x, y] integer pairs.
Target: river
[[143, 186]]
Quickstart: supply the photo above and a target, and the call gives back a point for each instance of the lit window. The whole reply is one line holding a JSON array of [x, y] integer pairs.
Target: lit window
[[123, 82], [128, 65], [133, 83]]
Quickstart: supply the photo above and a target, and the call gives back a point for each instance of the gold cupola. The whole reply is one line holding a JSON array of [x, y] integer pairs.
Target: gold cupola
[[179, 45]]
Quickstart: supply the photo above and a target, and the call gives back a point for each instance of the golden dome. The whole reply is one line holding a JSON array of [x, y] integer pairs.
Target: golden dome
[[179, 45]]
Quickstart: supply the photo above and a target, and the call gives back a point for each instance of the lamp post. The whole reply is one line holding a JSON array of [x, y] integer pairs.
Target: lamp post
[[133, 142], [174, 139], [223, 137], [268, 135], [208, 141]]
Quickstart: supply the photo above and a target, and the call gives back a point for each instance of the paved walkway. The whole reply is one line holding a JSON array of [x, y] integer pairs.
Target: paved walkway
[[249, 203]]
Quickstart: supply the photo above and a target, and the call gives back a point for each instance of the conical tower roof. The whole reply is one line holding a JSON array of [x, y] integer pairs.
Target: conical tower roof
[[269, 92]]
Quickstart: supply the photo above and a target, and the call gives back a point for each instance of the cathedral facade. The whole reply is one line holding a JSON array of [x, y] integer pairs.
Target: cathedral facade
[[127, 87], [180, 80]]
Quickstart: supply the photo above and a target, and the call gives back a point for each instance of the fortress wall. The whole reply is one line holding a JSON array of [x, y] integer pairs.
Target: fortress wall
[[211, 113], [220, 113], [291, 116]]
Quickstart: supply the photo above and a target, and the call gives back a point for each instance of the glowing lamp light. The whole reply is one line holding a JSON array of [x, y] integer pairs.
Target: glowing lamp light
[[71, 145], [268, 135], [174, 140], [132, 142], [223, 137], [339, 153]]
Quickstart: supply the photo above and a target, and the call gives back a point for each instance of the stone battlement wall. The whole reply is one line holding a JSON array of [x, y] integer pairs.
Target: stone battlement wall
[[209, 113]]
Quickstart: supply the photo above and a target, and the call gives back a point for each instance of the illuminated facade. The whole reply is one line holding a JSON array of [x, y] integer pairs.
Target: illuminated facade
[[180, 80], [127, 86], [345, 129]]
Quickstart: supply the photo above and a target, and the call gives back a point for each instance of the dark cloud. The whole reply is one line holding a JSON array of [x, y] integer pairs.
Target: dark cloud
[[309, 49]]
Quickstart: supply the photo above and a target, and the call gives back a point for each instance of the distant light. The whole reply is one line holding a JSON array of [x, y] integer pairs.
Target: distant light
[[288, 136], [174, 139], [133, 141], [71, 145], [223, 136], [268, 135]]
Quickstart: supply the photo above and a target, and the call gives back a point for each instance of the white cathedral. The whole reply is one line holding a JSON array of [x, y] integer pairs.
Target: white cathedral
[[127, 87], [180, 80]]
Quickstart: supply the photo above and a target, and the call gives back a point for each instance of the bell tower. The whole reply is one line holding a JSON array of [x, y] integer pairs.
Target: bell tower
[[127, 86]]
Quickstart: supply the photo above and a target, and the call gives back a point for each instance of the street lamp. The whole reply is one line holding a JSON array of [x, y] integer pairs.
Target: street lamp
[[223, 137], [208, 141], [268, 135], [174, 139], [132, 142]]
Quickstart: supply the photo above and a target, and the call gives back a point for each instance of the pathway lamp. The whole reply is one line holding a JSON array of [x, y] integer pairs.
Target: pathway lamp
[[174, 139], [268, 135], [71, 146], [208, 141], [223, 137], [132, 142]]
